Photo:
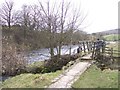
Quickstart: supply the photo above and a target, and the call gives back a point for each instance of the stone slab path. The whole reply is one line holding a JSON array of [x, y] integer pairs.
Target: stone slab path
[[87, 57], [71, 75]]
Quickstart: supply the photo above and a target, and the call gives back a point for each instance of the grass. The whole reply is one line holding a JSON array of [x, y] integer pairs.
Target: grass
[[30, 80], [115, 47], [35, 67], [38, 63], [112, 37], [95, 78]]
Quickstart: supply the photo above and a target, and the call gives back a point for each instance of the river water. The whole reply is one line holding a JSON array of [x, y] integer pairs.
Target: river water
[[43, 54]]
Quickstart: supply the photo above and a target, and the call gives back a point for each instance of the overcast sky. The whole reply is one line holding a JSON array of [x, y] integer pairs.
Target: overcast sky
[[102, 14]]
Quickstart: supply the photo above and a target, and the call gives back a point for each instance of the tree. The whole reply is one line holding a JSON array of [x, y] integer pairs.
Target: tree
[[6, 12], [57, 20], [35, 18]]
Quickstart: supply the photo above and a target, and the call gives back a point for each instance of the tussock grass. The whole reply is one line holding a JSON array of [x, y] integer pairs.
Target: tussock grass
[[95, 78]]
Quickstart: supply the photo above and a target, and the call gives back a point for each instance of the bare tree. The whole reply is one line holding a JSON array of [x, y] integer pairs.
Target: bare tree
[[22, 17], [26, 16], [6, 12], [57, 19], [35, 17], [71, 19], [48, 19]]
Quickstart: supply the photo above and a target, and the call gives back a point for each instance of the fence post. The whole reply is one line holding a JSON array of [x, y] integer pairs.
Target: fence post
[[103, 49], [93, 52], [88, 46], [70, 50], [92, 45], [111, 52], [84, 47]]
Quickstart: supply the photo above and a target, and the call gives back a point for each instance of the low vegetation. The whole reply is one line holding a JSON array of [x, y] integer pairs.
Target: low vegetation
[[12, 63], [50, 65], [95, 78], [29, 80]]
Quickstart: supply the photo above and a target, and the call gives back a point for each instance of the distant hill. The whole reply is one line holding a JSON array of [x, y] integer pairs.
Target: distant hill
[[112, 37], [108, 32]]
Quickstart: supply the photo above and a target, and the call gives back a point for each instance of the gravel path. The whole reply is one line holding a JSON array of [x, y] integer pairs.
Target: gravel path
[[71, 76]]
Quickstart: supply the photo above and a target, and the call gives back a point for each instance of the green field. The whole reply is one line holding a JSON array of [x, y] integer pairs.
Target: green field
[[112, 37], [95, 78], [30, 80], [115, 46]]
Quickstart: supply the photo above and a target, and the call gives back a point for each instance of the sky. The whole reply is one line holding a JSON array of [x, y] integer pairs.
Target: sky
[[101, 14]]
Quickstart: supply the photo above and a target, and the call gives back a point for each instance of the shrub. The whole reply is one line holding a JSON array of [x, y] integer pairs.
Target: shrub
[[50, 65], [12, 63], [57, 63], [36, 67]]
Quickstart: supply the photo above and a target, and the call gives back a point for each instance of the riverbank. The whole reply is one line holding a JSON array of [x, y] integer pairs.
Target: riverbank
[[41, 67], [29, 80], [46, 80]]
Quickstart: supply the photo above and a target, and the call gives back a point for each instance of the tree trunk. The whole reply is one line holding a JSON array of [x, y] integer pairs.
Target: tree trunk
[[9, 26], [51, 52], [59, 50]]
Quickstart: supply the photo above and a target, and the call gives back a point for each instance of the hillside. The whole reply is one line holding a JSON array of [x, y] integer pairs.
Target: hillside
[[107, 32], [112, 37]]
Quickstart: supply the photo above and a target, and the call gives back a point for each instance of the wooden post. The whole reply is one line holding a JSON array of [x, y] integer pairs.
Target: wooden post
[[111, 52], [80, 54], [84, 47], [70, 50], [93, 52], [87, 46], [103, 47], [81, 50], [91, 44]]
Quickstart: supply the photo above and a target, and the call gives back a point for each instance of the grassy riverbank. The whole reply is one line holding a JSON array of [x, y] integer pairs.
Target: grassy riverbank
[[40, 74], [29, 80], [95, 78]]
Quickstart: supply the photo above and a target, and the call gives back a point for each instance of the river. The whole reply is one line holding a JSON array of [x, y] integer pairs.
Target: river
[[43, 54]]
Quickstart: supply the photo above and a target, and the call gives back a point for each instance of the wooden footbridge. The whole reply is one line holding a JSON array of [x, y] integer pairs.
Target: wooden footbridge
[[96, 50]]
